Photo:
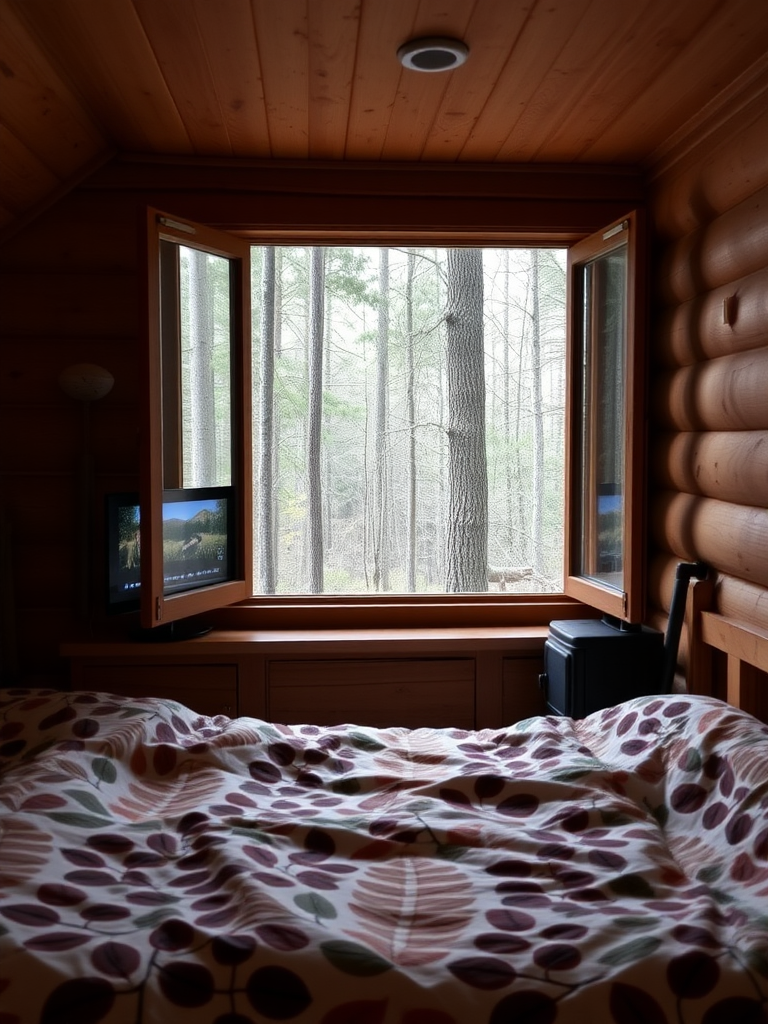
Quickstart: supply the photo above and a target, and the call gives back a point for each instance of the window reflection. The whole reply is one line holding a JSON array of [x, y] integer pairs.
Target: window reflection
[[197, 401], [604, 298]]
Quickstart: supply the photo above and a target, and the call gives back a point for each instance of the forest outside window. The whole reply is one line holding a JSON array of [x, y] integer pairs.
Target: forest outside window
[[410, 417], [404, 429]]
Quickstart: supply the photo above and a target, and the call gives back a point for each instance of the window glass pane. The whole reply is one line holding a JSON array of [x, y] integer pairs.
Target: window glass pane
[[408, 420], [205, 399], [603, 417], [196, 480]]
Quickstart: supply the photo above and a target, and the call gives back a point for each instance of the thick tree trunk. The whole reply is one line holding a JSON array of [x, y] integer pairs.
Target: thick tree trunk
[[467, 542]]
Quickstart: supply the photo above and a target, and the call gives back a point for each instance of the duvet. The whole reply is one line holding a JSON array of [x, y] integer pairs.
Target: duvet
[[159, 866]]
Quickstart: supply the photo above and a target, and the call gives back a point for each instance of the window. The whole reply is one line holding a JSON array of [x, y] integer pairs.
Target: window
[[409, 412], [352, 361], [196, 484], [607, 429]]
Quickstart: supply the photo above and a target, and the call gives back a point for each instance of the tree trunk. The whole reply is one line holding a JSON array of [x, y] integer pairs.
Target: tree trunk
[[326, 463], [538, 418], [521, 470], [314, 422], [276, 424], [410, 503], [265, 498], [278, 300], [467, 543], [440, 546], [380, 510], [202, 461], [510, 531]]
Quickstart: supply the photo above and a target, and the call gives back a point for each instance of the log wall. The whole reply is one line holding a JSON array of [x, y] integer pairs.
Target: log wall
[[708, 463]]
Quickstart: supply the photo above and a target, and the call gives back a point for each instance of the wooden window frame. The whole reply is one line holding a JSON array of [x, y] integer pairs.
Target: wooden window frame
[[233, 606], [629, 603], [159, 609]]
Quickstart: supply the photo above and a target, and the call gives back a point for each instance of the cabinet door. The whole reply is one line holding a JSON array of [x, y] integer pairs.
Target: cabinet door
[[522, 694], [406, 692], [206, 689]]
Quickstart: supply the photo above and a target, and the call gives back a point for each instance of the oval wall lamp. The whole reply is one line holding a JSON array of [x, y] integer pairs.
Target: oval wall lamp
[[86, 382], [433, 53]]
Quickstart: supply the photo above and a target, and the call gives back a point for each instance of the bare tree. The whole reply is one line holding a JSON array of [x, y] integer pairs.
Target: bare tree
[[314, 421], [410, 413], [506, 402], [265, 497], [538, 417], [201, 394], [380, 502], [467, 542]]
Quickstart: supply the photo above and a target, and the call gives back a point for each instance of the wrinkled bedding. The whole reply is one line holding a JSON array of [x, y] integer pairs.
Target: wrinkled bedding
[[159, 866]]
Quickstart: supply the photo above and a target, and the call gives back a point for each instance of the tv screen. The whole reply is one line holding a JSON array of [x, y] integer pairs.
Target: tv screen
[[197, 543]]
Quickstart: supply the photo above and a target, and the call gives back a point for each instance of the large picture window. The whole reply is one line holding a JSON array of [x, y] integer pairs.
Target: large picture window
[[401, 422]]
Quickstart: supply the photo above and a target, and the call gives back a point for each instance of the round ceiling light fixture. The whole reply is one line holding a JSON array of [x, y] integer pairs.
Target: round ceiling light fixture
[[433, 53]]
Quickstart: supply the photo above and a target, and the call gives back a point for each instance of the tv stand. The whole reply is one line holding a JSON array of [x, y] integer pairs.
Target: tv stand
[[170, 632]]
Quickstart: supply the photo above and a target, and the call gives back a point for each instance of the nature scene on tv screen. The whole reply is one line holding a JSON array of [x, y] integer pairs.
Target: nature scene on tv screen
[[194, 544]]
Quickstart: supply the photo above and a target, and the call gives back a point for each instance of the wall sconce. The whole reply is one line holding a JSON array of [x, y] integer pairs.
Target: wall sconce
[[86, 383]]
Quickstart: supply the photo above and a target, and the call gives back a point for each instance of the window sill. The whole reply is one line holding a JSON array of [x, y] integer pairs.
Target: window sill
[[395, 612]]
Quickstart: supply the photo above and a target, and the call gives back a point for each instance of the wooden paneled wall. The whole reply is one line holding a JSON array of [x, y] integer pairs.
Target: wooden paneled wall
[[709, 372], [70, 285], [69, 296]]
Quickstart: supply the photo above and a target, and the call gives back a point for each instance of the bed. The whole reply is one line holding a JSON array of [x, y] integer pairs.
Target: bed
[[160, 866]]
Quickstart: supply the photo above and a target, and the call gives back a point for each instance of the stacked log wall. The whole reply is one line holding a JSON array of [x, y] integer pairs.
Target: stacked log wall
[[708, 452]]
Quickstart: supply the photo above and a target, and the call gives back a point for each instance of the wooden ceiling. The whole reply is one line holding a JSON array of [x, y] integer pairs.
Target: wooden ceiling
[[587, 81]]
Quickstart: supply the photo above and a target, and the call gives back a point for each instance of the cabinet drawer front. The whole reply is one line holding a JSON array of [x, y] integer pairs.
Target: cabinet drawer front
[[207, 689], [406, 692]]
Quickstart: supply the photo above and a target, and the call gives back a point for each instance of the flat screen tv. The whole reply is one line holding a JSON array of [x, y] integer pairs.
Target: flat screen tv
[[198, 543]]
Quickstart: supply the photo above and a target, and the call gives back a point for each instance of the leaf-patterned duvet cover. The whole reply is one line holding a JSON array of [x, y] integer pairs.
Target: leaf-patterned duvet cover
[[158, 866]]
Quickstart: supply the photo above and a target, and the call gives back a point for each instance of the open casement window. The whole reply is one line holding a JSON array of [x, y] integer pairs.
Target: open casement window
[[606, 422], [199, 415], [196, 479]]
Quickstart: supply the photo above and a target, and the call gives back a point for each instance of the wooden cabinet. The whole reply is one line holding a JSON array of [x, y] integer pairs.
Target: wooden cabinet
[[207, 689], [400, 691], [461, 678], [522, 696]]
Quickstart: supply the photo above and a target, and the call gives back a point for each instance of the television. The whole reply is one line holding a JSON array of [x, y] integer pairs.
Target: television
[[198, 543]]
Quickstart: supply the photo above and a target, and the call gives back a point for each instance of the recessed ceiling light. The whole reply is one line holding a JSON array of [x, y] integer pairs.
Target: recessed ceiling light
[[433, 53]]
